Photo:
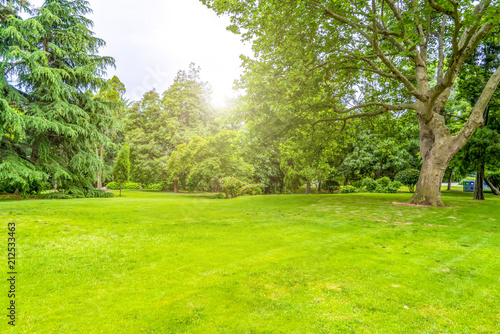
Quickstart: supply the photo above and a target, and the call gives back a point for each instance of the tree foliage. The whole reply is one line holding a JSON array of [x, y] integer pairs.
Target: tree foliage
[[364, 58], [121, 170], [49, 116]]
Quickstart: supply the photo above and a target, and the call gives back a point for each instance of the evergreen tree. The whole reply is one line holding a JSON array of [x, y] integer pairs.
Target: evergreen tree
[[50, 117], [121, 171]]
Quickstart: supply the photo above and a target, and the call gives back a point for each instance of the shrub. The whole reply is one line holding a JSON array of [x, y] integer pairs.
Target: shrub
[[409, 177], [220, 196], [393, 187], [331, 186], [230, 186], [99, 194], [250, 189], [348, 190], [356, 184], [130, 185], [383, 182], [154, 186], [385, 185], [55, 195], [125, 185], [369, 184], [113, 186], [75, 192]]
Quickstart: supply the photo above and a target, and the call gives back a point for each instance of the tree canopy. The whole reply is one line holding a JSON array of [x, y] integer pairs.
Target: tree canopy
[[50, 115], [362, 59]]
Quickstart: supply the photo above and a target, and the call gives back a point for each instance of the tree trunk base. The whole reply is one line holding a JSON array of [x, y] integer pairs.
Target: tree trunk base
[[427, 200]]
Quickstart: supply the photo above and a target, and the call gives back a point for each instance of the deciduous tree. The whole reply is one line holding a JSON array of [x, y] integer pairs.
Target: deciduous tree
[[343, 60]]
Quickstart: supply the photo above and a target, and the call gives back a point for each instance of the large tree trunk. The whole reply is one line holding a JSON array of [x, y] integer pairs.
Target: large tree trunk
[[308, 188], [176, 186], [319, 187], [492, 187], [478, 188], [451, 178], [428, 190]]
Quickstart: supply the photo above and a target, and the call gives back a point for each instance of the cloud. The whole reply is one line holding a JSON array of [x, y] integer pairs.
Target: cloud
[[152, 40]]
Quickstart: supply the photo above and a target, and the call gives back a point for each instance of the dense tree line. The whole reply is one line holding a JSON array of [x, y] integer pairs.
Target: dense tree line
[[308, 117]]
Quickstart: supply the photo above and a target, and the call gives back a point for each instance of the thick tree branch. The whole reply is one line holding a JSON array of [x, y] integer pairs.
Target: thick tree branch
[[492, 187], [384, 108], [476, 118], [394, 9]]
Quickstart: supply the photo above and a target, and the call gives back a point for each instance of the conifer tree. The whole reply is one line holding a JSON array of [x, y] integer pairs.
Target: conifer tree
[[121, 171], [50, 69]]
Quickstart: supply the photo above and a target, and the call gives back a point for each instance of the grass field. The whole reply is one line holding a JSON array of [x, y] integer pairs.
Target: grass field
[[163, 263]]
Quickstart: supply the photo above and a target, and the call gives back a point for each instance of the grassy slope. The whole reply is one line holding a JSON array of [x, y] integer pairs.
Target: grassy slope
[[164, 263]]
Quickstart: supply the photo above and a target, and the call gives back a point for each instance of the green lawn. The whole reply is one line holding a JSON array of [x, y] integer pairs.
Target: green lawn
[[164, 263]]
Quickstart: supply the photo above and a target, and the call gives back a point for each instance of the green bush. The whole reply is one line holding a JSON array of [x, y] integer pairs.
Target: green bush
[[130, 185], [250, 189], [369, 184], [125, 185], [99, 194], [348, 190], [383, 182], [231, 186], [220, 196], [113, 186], [356, 184], [331, 186], [385, 185], [409, 178], [154, 186], [75, 192], [55, 195]]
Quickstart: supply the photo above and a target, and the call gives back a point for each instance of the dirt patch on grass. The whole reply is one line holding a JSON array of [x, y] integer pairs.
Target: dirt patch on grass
[[11, 197]]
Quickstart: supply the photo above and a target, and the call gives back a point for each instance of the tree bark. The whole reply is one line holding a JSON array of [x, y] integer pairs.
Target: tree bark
[[308, 188], [478, 188], [451, 178], [428, 189], [437, 151], [378, 173], [319, 187], [176, 186], [492, 187], [99, 176], [120, 189]]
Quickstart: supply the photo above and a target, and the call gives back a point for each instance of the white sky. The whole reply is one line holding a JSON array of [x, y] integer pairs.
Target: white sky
[[151, 40]]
